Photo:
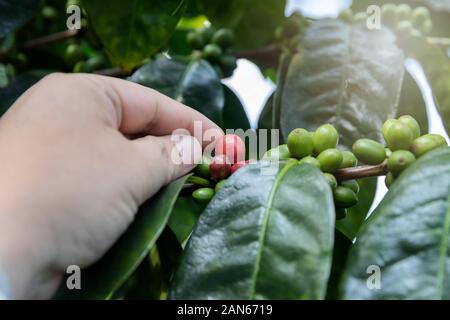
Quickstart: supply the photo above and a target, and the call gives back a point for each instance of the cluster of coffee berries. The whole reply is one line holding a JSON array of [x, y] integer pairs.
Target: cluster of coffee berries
[[84, 60], [404, 145], [214, 46], [211, 174], [401, 18], [319, 148]]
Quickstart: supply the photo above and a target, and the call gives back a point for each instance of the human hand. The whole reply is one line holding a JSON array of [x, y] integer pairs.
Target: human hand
[[71, 181]]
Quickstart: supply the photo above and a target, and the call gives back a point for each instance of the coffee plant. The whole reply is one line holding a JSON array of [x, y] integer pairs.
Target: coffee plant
[[290, 221]]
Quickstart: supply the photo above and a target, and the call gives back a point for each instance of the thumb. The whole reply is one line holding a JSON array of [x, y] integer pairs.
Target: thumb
[[167, 158]]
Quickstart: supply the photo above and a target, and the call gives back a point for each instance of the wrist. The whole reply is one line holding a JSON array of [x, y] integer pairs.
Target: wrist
[[25, 259]]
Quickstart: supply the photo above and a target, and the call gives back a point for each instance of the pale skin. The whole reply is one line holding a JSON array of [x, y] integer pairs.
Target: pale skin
[[73, 172]]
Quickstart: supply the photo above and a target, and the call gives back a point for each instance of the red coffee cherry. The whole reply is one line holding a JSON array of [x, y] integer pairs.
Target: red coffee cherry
[[232, 146], [220, 167]]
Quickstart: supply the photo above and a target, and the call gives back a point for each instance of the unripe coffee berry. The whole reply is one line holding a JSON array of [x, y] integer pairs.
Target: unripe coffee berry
[[389, 180], [203, 195], [331, 180], [341, 213], [220, 167], [388, 14], [403, 12], [386, 125], [369, 151], [427, 143], [223, 38], [399, 161], [399, 136], [351, 184], [202, 169], [232, 146], [344, 197], [325, 137], [310, 160], [300, 143], [412, 124], [330, 160], [348, 160], [212, 52], [419, 16], [195, 40], [219, 185], [278, 153]]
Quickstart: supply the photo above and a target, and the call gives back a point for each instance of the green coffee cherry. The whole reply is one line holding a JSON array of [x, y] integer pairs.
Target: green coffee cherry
[[96, 62], [198, 181], [387, 124], [202, 169], [206, 33], [330, 160], [278, 153], [403, 12], [310, 160], [203, 195], [419, 16], [219, 185], [346, 15], [369, 151], [195, 40], [223, 37], [388, 14], [348, 160], [212, 52], [351, 184], [341, 213], [399, 136], [426, 143], [399, 161], [325, 137], [344, 197], [228, 64], [389, 180], [332, 182], [300, 143], [388, 152], [412, 124]]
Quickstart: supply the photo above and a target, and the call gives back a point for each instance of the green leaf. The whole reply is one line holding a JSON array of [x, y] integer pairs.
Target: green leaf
[[101, 280], [196, 85], [356, 215], [14, 14], [3, 76], [184, 216], [134, 31], [407, 237], [234, 115], [265, 118], [345, 75], [17, 86], [253, 21], [412, 102], [285, 61], [265, 235]]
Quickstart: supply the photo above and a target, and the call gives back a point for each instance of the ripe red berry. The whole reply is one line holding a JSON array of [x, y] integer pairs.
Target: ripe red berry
[[235, 167], [232, 146], [220, 167]]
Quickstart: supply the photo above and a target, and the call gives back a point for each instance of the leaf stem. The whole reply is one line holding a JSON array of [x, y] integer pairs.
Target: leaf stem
[[361, 172], [113, 72]]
